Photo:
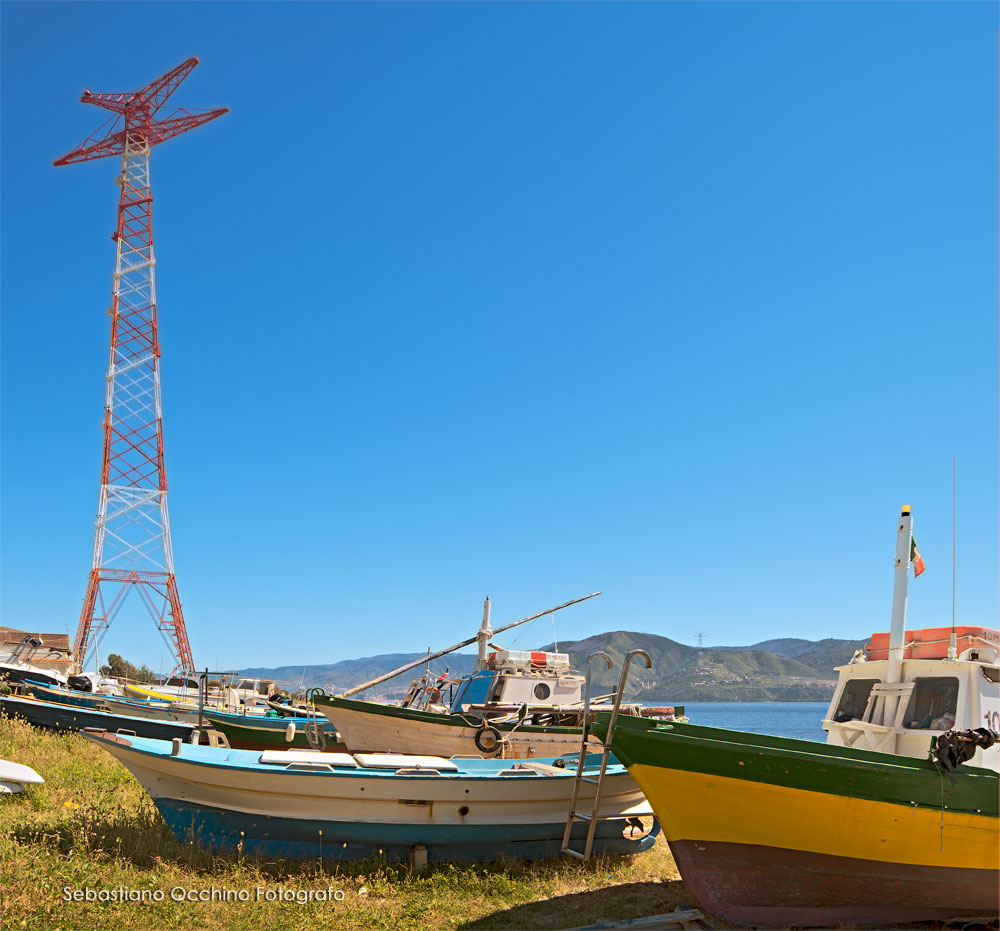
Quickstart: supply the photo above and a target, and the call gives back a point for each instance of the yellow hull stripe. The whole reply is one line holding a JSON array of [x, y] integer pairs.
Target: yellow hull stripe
[[697, 806]]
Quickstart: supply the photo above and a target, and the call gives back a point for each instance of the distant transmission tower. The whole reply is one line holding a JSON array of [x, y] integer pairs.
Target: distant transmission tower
[[699, 636], [132, 548]]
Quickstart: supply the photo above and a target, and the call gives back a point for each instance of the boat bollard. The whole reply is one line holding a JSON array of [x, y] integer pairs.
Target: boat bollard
[[175, 746]]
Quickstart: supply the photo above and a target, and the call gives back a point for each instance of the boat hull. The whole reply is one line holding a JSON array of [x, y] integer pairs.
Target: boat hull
[[244, 732], [367, 727], [230, 802], [757, 885], [74, 718], [775, 831], [235, 833]]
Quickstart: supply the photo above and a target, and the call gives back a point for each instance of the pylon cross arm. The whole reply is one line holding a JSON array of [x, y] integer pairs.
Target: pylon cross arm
[[137, 109]]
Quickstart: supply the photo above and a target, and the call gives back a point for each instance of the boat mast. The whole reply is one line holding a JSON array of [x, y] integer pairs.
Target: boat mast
[[897, 630], [458, 646], [484, 636]]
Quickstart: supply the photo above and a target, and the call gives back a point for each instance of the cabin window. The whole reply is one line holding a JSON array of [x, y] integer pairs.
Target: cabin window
[[542, 691], [853, 699], [933, 703]]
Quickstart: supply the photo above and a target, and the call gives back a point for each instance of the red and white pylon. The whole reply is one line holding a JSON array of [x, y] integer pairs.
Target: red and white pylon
[[132, 549]]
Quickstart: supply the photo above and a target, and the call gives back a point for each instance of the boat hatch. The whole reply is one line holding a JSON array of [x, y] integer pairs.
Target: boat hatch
[[474, 690], [404, 761], [284, 757]]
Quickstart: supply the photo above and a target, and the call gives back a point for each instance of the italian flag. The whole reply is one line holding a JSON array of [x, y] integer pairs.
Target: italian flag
[[916, 558]]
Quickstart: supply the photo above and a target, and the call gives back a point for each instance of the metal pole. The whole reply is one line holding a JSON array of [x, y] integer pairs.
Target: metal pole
[[484, 636]]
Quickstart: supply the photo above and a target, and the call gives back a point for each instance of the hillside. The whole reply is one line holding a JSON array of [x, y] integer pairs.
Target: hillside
[[773, 670]]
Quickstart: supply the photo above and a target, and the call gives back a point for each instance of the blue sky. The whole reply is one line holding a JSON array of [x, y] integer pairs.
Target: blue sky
[[676, 301]]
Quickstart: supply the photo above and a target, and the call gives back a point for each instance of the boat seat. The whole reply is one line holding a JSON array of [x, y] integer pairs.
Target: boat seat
[[284, 757], [546, 769], [405, 761]]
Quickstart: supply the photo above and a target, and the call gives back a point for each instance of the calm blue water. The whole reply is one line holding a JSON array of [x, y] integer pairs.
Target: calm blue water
[[800, 719]]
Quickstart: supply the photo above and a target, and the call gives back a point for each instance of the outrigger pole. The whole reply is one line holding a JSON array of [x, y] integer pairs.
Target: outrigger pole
[[458, 646]]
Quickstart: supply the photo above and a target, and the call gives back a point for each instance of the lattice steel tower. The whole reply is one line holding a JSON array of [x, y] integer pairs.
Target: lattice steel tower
[[132, 550]]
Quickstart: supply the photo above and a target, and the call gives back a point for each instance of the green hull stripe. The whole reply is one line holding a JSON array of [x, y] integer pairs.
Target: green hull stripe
[[434, 717], [802, 764]]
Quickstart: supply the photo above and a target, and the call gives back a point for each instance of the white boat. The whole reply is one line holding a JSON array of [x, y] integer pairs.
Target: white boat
[[914, 686], [310, 804], [15, 776], [31, 659]]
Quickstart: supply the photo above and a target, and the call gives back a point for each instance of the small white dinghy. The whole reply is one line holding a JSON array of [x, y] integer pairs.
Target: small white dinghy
[[15, 776]]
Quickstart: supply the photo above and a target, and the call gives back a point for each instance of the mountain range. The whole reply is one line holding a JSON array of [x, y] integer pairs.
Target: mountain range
[[772, 670]]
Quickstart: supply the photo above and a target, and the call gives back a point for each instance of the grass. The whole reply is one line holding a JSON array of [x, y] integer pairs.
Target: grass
[[92, 826]]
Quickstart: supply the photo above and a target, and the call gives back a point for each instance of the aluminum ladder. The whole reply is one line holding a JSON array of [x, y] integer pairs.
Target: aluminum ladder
[[574, 813]]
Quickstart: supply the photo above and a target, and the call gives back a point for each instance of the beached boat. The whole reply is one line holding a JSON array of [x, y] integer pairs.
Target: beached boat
[[313, 804], [371, 727], [265, 732], [519, 705], [26, 660], [74, 718], [14, 777], [774, 831], [155, 709]]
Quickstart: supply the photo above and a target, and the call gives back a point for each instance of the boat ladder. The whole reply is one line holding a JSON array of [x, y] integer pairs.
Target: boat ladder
[[575, 814]]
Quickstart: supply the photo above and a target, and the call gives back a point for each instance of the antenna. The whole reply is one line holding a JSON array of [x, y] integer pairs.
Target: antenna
[[954, 534], [953, 642]]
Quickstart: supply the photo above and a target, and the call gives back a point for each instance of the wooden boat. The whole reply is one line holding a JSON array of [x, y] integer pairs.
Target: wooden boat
[[73, 718], [262, 732], [187, 693], [312, 804], [773, 831], [155, 709], [368, 726], [520, 705], [891, 821]]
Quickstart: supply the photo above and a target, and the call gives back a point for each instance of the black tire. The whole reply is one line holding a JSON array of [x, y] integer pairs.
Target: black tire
[[487, 738]]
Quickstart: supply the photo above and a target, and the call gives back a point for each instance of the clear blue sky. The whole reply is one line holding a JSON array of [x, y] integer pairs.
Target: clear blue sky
[[680, 302]]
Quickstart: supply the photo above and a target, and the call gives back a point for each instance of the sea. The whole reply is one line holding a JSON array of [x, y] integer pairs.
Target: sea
[[799, 719]]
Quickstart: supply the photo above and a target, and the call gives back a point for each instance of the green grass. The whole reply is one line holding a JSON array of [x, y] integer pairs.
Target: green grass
[[92, 826]]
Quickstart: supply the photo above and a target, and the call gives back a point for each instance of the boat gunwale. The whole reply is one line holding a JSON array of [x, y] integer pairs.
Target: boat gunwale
[[448, 719], [111, 739]]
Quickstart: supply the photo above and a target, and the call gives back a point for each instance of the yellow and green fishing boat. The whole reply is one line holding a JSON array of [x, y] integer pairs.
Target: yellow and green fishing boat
[[772, 831]]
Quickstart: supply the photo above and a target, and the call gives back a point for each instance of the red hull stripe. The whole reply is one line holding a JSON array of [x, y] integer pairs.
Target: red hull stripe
[[761, 886]]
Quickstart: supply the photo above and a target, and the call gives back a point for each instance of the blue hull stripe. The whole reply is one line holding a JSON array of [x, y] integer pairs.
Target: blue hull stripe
[[235, 832]]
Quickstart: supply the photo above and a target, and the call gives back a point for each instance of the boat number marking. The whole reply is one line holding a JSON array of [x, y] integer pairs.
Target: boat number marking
[[992, 720]]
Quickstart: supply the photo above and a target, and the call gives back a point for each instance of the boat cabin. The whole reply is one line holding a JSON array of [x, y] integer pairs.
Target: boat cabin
[[514, 678], [941, 687]]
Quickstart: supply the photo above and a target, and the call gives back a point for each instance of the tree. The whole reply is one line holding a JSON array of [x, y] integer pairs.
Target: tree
[[120, 668]]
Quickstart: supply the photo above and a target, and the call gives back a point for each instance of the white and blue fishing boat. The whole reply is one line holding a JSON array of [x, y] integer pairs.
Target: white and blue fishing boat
[[295, 803]]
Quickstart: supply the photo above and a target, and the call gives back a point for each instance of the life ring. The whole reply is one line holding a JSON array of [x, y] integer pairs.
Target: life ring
[[433, 694], [487, 738]]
